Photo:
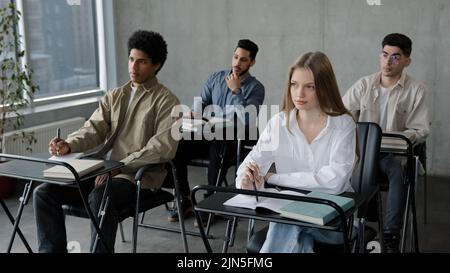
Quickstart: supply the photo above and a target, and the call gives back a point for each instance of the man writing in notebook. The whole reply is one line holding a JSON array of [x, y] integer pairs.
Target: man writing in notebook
[[132, 123], [397, 102], [230, 90]]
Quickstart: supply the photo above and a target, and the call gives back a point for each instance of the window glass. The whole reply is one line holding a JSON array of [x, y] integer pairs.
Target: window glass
[[61, 44]]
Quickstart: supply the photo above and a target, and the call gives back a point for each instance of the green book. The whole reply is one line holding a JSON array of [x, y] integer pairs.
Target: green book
[[316, 213]]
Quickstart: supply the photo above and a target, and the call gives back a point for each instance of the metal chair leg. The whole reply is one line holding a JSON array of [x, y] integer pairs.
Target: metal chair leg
[[136, 217], [405, 220], [250, 229], [233, 231], [425, 198], [122, 235], [142, 218], [228, 234], [218, 180], [380, 222]]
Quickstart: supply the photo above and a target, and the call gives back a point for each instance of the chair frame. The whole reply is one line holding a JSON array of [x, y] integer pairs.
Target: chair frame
[[410, 179], [138, 179], [345, 221], [363, 178], [421, 151], [137, 208]]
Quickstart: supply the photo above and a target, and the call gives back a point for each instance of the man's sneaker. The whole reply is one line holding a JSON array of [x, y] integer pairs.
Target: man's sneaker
[[186, 206], [391, 242]]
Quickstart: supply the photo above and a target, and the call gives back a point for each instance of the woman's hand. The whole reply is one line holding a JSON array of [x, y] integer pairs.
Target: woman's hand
[[252, 173]]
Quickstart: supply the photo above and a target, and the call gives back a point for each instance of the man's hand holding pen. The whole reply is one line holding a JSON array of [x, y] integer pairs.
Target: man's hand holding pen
[[58, 147]]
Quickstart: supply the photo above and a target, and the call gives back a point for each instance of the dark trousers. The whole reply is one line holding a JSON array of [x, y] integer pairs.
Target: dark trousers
[[396, 196], [210, 150], [49, 198]]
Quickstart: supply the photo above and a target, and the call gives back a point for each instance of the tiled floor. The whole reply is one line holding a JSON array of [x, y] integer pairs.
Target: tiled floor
[[434, 236]]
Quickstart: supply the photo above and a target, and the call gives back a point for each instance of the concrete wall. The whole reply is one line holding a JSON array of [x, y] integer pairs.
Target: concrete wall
[[202, 34]]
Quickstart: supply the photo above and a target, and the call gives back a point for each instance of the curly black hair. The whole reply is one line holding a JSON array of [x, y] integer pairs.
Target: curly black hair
[[152, 43]]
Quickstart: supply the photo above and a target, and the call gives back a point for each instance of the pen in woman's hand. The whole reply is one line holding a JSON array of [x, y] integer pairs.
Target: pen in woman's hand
[[58, 136], [254, 187], [254, 171]]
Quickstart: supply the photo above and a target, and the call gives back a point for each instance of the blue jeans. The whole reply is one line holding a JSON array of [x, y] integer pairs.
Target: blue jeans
[[284, 238], [50, 222], [396, 196]]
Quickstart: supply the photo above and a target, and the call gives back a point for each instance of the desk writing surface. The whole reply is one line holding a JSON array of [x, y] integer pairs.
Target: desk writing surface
[[393, 143], [29, 170], [394, 148], [396, 143], [214, 203]]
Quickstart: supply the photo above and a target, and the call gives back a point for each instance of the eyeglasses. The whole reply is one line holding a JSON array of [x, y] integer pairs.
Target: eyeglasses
[[393, 59]]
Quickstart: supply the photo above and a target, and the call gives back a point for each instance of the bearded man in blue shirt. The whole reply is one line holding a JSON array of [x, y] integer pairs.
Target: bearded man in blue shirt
[[233, 91]]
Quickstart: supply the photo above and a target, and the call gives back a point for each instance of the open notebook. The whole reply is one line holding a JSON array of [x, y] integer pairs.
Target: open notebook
[[249, 201], [81, 166], [304, 211], [66, 157]]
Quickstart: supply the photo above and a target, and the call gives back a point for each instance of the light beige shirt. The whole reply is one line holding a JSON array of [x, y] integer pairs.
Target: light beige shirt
[[407, 110], [137, 137]]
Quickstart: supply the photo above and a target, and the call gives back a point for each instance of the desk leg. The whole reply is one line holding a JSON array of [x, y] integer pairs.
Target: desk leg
[[233, 231], [250, 229], [359, 243], [410, 208], [202, 231], [415, 236], [11, 219], [101, 213], [23, 201], [136, 216], [425, 218], [406, 214], [228, 233], [92, 216], [223, 150]]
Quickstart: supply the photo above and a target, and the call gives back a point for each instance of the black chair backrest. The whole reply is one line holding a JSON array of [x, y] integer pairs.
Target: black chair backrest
[[369, 141], [364, 178]]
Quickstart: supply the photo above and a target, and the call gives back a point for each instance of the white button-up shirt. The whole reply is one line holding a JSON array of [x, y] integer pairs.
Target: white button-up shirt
[[324, 165]]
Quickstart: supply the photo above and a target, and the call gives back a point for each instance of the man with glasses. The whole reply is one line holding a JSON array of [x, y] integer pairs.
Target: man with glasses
[[397, 102]]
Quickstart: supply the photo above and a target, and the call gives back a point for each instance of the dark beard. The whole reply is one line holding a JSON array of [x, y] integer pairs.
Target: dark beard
[[242, 72]]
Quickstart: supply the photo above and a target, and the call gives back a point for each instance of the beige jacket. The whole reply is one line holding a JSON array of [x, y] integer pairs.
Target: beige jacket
[[138, 136], [407, 109]]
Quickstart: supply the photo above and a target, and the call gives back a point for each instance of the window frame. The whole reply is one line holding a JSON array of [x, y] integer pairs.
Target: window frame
[[105, 30]]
